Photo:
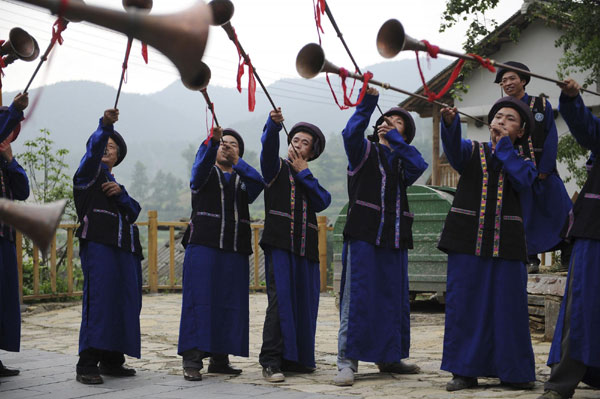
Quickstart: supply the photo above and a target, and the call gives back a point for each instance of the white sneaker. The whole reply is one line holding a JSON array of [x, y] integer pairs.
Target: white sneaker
[[273, 374], [344, 377]]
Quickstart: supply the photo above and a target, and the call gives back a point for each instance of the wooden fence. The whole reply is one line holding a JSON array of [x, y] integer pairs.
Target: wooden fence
[[151, 254]]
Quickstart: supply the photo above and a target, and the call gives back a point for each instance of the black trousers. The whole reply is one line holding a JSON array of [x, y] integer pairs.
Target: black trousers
[[567, 373], [89, 359], [271, 353], [193, 358]]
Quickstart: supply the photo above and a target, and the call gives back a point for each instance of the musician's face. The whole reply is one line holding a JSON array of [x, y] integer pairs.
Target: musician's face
[[303, 143], [398, 124], [111, 153], [228, 150], [512, 84], [506, 122]]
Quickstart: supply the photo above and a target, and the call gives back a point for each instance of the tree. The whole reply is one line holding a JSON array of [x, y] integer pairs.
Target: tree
[[573, 155], [46, 170], [578, 20], [140, 184]]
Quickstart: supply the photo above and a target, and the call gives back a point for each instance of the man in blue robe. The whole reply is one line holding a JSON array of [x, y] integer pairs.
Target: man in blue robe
[[374, 303], [487, 321], [214, 310], [14, 185], [547, 204], [575, 352], [293, 196], [111, 254]]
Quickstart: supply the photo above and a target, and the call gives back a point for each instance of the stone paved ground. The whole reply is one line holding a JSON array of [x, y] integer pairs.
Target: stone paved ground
[[56, 332]]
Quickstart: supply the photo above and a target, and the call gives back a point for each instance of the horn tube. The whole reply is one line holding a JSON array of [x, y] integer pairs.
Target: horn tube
[[181, 36], [311, 61], [391, 39]]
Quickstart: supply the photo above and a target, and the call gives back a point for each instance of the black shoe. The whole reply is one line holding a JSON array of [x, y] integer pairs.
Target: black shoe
[[5, 372], [459, 382], [399, 368], [192, 374], [273, 374], [295, 367], [89, 379], [223, 369], [519, 385], [117, 371]]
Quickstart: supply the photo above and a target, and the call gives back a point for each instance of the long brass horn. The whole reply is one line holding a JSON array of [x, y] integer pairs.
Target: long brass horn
[[38, 222], [19, 46], [222, 11], [391, 39], [207, 74], [181, 36], [311, 61]]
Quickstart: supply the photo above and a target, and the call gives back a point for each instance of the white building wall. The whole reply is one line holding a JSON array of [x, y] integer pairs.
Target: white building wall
[[535, 49]]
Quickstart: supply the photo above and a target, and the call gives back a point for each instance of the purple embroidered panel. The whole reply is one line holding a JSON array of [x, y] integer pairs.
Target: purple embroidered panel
[[513, 218], [463, 211], [592, 196], [278, 213], [105, 212], [368, 205], [212, 215], [382, 195]]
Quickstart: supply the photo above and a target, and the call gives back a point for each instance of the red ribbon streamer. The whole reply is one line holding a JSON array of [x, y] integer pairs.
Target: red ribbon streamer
[[210, 132], [251, 80], [319, 7], [58, 28], [347, 102], [433, 51], [145, 52]]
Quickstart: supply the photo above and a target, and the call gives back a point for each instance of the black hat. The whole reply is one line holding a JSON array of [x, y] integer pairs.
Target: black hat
[[122, 146], [409, 123], [520, 107], [315, 132], [502, 71], [238, 137]]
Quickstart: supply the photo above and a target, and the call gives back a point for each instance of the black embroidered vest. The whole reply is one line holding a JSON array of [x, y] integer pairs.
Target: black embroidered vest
[[290, 221], [533, 146], [101, 220], [220, 216], [485, 218], [584, 219], [378, 205]]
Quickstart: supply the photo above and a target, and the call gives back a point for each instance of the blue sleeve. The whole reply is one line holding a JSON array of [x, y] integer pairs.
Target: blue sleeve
[[17, 179], [269, 156], [8, 121], [521, 173], [413, 163], [130, 207], [90, 163], [547, 162], [204, 162], [355, 142], [251, 178], [318, 197], [457, 150], [584, 126]]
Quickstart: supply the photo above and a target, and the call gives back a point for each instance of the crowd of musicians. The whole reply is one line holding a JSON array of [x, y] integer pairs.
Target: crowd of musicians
[[509, 206]]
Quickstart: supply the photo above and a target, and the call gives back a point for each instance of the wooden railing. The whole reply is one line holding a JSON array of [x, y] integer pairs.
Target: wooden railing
[[153, 226], [448, 176]]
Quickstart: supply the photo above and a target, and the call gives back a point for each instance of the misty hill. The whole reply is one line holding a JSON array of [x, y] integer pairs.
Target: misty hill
[[159, 126]]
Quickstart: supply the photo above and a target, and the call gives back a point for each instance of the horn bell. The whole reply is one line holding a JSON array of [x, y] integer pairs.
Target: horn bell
[[311, 61], [38, 222], [181, 36], [204, 75], [222, 11], [20, 45], [391, 39]]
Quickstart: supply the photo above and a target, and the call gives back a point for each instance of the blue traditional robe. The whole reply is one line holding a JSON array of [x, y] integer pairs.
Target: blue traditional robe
[[487, 320], [214, 309], [14, 179], [9, 120], [584, 268], [379, 308], [546, 204], [297, 279], [112, 290]]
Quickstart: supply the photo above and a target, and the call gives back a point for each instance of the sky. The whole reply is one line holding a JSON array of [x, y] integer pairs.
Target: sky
[[271, 31]]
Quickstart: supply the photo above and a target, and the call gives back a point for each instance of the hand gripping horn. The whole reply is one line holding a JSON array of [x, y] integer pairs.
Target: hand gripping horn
[[311, 61], [181, 36], [38, 222], [19, 46], [391, 39]]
